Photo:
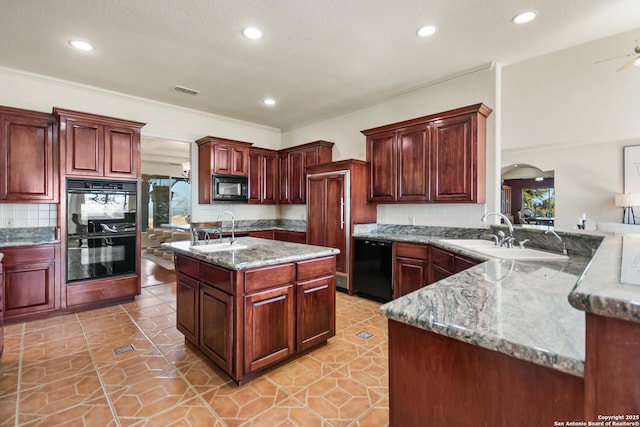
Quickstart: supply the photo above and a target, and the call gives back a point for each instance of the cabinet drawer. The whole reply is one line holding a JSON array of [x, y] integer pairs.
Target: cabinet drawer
[[27, 254], [442, 258], [219, 278], [411, 250], [188, 266], [462, 263], [316, 268], [268, 277]]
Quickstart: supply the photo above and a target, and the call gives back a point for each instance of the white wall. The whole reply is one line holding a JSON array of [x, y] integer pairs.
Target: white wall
[[344, 131], [562, 112]]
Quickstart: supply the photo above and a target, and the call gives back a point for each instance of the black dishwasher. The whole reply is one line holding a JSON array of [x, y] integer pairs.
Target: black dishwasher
[[372, 269]]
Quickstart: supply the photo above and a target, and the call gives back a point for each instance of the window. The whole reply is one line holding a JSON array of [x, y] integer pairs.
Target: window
[[167, 200], [541, 201]]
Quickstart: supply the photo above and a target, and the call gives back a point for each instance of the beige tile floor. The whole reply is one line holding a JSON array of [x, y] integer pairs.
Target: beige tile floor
[[64, 371]]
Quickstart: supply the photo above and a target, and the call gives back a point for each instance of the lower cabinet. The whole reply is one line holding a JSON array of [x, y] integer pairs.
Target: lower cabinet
[[411, 268], [249, 320], [216, 326], [187, 306], [30, 281], [445, 263], [315, 327], [262, 234], [269, 327]]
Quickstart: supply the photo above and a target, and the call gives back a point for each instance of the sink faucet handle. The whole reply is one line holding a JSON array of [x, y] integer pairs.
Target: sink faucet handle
[[522, 243]]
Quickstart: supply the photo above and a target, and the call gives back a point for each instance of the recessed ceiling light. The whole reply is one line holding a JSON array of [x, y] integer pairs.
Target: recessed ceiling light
[[80, 45], [525, 17], [427, 31], [252, 33], [269, 101]]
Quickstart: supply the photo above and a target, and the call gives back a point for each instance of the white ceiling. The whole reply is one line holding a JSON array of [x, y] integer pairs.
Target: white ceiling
[[317, 59]]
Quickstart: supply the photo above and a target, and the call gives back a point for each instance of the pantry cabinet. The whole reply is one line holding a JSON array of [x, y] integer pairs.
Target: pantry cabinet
[[29, 152], [440, 158], [98, 146]]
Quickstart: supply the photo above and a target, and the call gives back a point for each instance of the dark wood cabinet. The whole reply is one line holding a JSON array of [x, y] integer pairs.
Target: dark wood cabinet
[[246, 321], [262, 234], [1, 309], [98, 146], [216, 326], [269, 327], [219, 156], [445, 263], [187, 289], [437, 158], [28, 157], [315, 326], [263, 176], [290, 236], [411, 268], [292, 163], [30, 279]]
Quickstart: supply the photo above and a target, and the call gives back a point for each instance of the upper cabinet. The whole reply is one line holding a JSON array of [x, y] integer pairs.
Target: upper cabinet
[[263, 176], [436, 158], [292, 163], [219, 156], [28, 157], [98, 146]]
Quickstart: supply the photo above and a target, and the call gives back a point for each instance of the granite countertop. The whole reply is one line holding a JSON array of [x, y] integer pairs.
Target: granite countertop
[[27, 236], [259, 252], [600, 289], [519, 308]]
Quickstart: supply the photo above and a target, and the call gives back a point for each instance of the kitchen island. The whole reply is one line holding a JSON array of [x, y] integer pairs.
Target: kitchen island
[[253, 308]]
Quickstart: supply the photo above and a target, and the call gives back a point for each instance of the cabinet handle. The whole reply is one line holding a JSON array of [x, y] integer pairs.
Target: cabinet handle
[[342, 213], [317, 288], [270, 300]]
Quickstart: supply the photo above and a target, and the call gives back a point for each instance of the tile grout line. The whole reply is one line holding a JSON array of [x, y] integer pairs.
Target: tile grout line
[[19, 389], [98, 374], [191, 387]]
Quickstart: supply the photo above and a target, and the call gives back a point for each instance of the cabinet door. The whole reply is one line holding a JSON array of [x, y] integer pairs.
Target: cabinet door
[[462, 263], [121, 152], [270, 179], [84, 147], [262, 234], [413, 164], [381, 155], [410, 275], [269, 327], [454, 161], [230, 160], [216, 326], [255, 178], [187, 315], [296, 178], [316, 312], [28, 159], [29, 288], [283, 183]]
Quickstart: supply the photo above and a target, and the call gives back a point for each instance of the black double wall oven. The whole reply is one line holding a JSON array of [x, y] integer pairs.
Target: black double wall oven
[[101, 229]]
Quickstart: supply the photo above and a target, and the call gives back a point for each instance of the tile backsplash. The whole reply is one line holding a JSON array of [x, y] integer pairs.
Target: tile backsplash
[[15, 215]]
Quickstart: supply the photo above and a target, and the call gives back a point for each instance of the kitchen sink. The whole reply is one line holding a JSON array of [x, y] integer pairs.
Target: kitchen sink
[[489, 248], [217, 247]]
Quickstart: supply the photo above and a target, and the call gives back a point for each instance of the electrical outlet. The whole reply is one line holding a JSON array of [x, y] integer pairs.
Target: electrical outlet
[[8, 222], [412, 220]]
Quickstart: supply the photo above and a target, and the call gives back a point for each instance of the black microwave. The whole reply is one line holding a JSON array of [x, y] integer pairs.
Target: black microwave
[[230, 188]]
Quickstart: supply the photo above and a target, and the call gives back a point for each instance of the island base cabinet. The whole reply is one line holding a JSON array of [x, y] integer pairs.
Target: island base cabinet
[[187, 307], [316, 302], [216, 331], [440, 381], [269, 327]]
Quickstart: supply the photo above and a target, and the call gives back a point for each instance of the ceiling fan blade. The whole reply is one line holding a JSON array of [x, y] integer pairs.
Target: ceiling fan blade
[[628, 64], [615, 57]]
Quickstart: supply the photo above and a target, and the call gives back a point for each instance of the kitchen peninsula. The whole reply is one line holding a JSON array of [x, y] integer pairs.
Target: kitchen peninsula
[[252, 308]]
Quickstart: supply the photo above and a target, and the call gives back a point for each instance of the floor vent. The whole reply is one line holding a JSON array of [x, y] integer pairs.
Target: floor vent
[[364, 335], [118, 351]]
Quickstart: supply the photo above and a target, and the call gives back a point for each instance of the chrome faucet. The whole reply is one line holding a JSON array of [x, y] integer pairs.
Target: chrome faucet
[[564, 246], [233, 226], [500, 238], [197, 227]]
